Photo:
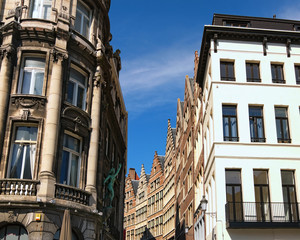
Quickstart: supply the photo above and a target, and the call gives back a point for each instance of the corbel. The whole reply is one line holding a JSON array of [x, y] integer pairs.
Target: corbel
[[265, 45], [215, 42], [288, 47]]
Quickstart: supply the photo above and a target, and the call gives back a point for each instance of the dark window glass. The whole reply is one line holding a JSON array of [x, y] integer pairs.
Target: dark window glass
[[262, 195], [13, 232], [252, 70], [282, 125], [234, 195], [277, 73], [256, 124], [227, 71], [297, 72], [230, 123], [289, 196]]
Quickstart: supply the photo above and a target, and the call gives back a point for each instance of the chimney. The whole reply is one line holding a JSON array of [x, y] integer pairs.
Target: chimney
[[133, 175]]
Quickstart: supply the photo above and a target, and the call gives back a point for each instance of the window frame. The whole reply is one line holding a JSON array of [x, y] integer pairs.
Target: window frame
[[40, 11], [281, 119], [82, 19], [71, 153], [33, 77], [279, 76], [255, 125], [230, 138], [251, 78], [226, 77], [76, 86], [297, 74], [13, 141]]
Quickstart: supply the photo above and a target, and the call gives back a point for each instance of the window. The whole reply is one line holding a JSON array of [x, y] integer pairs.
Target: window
[[230, 123], [70, 167], [277, 73], [233, 23], [32, 76], [227, 71], [252, 70], [21, 164], [57, 235], [13, 232], [41, 9], [282, 125], [234, 195], [289, 195], [83, 18], [262, 195], [256, 124], [76, 92], [297, 72]]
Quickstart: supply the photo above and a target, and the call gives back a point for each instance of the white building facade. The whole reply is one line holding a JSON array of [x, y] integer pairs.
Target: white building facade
[[249, 71]]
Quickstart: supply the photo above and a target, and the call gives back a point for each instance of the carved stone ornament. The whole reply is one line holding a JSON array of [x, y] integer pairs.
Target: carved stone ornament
[[28, 102], [97, 80], [58, 55], [11, 216], [76, 116], [25, 114], [7, 51]]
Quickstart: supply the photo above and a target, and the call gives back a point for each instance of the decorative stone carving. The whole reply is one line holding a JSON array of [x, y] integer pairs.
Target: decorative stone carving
[[77, 117], [25, 114], [7, 51], [117, 58], [58, 55], [28, 101], [11, 216]]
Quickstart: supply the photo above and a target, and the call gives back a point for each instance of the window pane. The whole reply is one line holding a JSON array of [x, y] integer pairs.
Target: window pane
[[233, 177], [71, 142], [75, 75], [260, 129], [255, 111], [226, 127], [16, 161], [2, 233], [85, 29], [64, 168], [47, 9], [78, 21], [280, 112], [27, 166], [12, 232], [70, 93], [23, 234], [260, 177], [74, 170], [278, 129], [26, 133], [31, 62], [256, 71], [287, 177], [80, 98], [252, 132], [229, 110], [285, 129], [26, 82], [233, 127], [38, 87]]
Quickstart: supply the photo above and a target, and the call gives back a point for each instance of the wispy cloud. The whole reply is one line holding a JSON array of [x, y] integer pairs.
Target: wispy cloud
[[151, 80], [292, 11]]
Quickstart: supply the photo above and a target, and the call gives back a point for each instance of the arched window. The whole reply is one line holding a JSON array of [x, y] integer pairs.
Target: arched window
[[57, 234], [13, 232]]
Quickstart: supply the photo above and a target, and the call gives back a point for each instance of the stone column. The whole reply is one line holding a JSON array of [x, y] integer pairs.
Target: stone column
[[5, 82], [94, 140], [52, 128]]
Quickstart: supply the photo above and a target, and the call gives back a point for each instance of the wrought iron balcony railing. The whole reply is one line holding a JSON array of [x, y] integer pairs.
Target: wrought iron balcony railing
[[262, 214]]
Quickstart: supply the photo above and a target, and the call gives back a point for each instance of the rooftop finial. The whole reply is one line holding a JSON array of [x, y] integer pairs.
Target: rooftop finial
[[274, 16]]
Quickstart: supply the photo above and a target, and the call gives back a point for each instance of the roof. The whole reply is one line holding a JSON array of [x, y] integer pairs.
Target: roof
[[135, 184], [162, 161], [147, 177], [174, 133]]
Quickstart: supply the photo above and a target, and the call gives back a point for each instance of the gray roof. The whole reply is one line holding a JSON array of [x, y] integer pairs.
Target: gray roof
[[174, 134], [135, 184], [192, 84], [162, 161]]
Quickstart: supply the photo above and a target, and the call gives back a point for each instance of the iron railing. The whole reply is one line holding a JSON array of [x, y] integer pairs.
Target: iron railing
[[283, 212]]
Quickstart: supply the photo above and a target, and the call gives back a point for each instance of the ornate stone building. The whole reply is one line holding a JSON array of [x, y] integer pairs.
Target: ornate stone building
[[63, 122]]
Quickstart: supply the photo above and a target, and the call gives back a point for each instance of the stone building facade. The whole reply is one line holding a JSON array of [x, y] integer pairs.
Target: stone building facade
[[63, 121]]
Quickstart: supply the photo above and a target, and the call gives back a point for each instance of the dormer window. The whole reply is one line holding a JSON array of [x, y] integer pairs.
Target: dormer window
[[234, 23]]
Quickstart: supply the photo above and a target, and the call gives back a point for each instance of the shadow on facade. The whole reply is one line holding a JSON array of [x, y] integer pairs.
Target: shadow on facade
[[180, 226], [147, 235]]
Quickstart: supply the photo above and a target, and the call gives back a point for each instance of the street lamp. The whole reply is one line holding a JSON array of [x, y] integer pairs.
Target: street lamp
[[203, 206]]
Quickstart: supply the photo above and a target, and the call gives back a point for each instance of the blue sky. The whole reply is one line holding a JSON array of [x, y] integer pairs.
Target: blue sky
[[157, 40]]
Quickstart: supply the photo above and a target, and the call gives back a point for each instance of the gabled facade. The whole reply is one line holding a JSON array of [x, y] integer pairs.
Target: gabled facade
[[141, 206], [169, 205], [155, 198], [131, 186]]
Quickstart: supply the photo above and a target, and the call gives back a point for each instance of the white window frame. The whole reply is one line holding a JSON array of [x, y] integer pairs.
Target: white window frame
[[34, 71], [40, 10], [22, 142], [73, 152], [84, 16], [78, 84]]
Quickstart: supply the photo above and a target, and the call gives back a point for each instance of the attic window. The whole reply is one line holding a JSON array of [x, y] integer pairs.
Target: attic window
[[234, 23]]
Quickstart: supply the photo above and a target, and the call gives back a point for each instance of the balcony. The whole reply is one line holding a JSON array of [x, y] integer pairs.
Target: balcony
[[21, 187], [262, 215], [70, 193]]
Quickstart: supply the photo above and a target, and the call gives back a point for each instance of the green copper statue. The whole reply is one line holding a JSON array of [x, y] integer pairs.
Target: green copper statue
[[110, 180]]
